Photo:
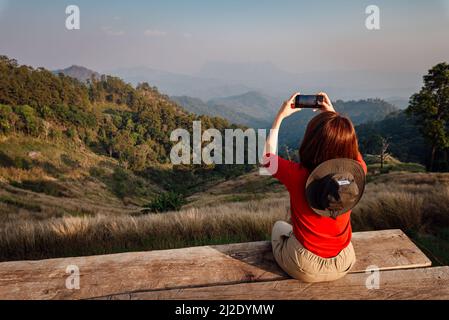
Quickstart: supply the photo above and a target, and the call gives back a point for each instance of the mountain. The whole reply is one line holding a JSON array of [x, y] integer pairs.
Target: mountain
[[78, 72], [177, 84]]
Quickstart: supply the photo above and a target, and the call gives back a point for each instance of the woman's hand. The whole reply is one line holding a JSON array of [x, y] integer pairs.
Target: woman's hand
[[327, 104], [288, 107]]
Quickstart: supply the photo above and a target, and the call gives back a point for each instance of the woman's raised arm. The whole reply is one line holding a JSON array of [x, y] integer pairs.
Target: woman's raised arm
[[287, 109]]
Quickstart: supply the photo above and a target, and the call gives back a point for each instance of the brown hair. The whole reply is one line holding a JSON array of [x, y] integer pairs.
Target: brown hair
[[328, 136]]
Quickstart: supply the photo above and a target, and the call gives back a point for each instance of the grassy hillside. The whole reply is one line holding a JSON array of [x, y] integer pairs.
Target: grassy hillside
[[42, 180], [247, 187]]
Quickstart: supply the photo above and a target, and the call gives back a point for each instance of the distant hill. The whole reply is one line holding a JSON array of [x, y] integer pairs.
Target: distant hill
[[360, 111], [401, 103], [198, 106], [78, 72], [252, 109], [252, 103]]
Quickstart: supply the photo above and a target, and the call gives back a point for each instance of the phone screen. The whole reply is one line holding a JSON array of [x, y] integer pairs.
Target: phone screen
[[307, 101]]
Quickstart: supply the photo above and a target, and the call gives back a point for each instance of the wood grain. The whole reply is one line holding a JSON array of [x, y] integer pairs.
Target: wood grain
[[423, 283], [189, 267]]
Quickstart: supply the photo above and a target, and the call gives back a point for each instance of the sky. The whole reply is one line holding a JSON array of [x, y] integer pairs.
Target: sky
[[182, 35]]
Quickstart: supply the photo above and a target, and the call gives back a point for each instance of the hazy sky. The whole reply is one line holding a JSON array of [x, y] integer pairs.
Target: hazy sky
[[180, 36]]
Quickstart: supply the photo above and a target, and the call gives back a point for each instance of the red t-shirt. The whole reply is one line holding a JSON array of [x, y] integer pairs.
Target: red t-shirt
[[323, 236]]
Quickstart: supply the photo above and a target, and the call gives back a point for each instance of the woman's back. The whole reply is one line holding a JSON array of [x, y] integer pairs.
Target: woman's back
[[323, 236]]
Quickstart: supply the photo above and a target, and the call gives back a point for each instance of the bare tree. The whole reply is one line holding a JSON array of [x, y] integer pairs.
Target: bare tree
[[384, 144]]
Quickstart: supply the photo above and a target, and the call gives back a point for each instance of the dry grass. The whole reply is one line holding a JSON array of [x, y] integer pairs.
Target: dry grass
[[412, 202], [237, 222]]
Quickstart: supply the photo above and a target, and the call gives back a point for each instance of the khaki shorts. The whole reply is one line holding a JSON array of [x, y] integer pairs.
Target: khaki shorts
[[304, 265]]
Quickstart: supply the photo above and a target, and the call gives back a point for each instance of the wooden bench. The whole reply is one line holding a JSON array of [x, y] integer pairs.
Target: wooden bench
[[234, 271]]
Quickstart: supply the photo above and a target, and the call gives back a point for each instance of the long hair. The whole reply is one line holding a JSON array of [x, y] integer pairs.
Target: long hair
[[328, 136]]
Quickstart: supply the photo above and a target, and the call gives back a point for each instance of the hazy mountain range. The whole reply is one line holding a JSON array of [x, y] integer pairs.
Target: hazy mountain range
[[220, 79]]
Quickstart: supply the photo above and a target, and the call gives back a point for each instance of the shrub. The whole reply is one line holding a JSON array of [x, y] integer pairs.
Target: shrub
[[167, 201]]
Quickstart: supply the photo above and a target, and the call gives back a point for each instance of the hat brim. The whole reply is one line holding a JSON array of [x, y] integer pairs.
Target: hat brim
[[332, 167]]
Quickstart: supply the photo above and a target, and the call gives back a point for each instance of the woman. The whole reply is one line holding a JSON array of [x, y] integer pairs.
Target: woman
[[317, 247]]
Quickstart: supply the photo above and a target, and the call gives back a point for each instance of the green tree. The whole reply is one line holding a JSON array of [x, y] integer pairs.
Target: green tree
[[431, 108], [31, 122], [5, 119], [123, 145]]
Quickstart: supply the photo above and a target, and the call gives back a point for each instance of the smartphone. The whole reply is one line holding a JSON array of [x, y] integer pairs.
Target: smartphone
[[309, 101]]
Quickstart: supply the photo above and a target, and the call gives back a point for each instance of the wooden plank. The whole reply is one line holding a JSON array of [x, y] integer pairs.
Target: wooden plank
[[387, 249], [423, 283], [189, 267]]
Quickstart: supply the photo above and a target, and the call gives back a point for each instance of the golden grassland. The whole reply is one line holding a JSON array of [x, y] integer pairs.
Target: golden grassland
[[417, 203]]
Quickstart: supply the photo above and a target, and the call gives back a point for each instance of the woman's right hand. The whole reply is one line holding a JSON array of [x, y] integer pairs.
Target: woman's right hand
[[288, 107], [327, 103]]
